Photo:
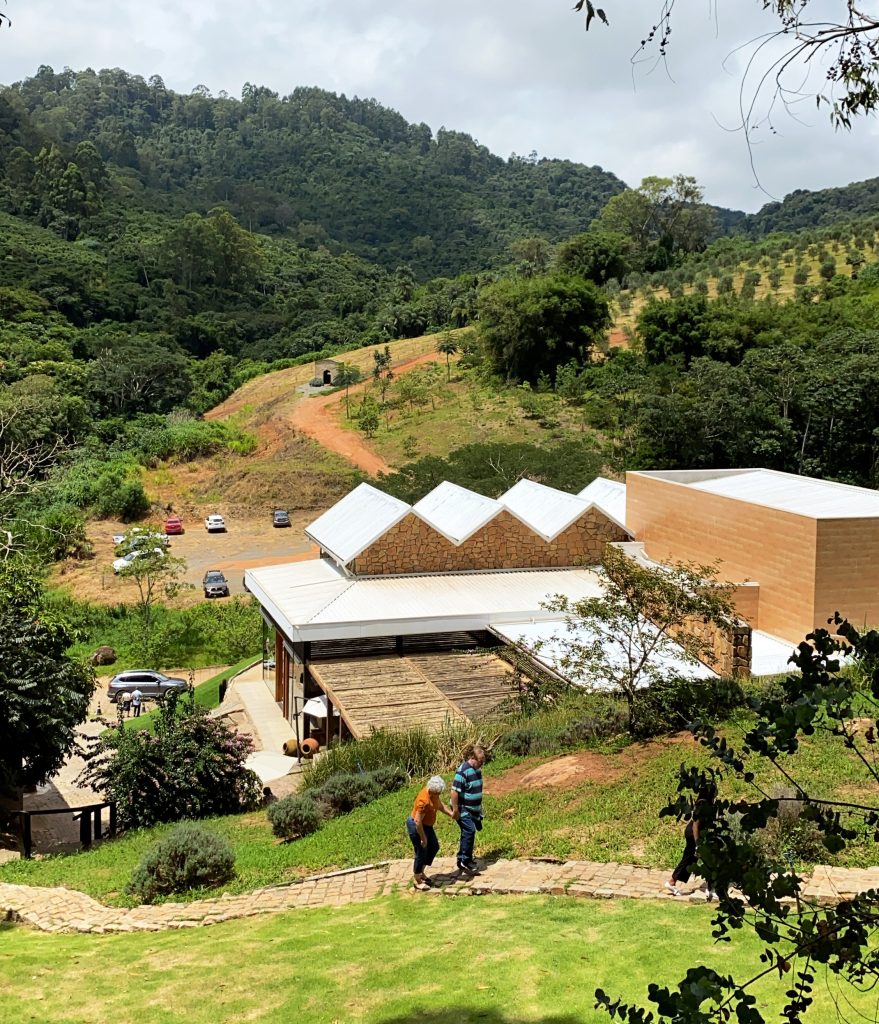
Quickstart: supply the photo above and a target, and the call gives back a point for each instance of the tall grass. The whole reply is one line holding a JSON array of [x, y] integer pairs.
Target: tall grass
[[416, 751]]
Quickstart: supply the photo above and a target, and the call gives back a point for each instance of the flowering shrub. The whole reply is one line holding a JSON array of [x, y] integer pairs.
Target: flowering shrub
[[191, 766]]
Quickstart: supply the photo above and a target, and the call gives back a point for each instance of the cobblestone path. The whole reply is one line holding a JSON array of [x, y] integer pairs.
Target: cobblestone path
[[58, 910]]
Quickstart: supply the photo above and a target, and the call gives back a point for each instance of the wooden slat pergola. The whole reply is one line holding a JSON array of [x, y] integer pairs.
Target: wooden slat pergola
[[393, 692]]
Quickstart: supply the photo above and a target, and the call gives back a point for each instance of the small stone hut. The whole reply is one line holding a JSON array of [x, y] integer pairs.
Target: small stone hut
[[325, 370]]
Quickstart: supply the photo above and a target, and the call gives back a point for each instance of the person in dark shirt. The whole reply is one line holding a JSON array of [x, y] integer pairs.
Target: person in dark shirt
[[467, 805]]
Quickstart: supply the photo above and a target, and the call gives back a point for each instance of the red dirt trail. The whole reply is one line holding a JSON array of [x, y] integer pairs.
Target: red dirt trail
[[314, 417]]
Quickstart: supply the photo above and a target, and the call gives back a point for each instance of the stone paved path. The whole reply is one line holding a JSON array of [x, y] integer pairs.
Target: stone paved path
[[57, 910]]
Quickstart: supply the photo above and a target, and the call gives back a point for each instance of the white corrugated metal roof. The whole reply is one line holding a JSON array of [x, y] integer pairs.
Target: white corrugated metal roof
[[355, 522], [770, 655], [544, 509], [456, 512], [549, 641], [802, 495], [607, 495], [313, 603]]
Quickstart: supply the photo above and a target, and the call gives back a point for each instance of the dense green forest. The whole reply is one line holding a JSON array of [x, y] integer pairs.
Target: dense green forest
[[314, 167], [158, 250]]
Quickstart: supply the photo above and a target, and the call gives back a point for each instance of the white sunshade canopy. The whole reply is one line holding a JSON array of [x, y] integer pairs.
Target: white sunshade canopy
[[548, 642], [544, 509], [455, 512], [317, 707], [315, 601], [609, 496], [355, 522]]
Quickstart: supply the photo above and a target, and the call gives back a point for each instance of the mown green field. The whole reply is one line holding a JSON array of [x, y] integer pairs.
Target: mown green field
[[408, 958]]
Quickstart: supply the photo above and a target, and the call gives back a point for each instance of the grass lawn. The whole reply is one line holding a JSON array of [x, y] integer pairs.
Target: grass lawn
[[610, 812], [392, 961], [466, 410]]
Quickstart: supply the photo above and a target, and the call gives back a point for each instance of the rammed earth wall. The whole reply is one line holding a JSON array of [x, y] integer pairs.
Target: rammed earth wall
[[504, 543]]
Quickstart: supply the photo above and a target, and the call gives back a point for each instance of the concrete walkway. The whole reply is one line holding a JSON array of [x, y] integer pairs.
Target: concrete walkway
[[250, 703], [58, 910]]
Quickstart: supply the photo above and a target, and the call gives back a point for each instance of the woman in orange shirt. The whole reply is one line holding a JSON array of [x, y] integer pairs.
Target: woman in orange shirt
[[420, 824]]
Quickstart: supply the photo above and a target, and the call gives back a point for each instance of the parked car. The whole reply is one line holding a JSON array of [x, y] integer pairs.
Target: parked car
[[149, 682], [125, 560], [280, 517], [215, 584], [135, 536], [215, 524], [174, 525]]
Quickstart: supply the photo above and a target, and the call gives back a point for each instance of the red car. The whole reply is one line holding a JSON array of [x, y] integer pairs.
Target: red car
[[173, 524]]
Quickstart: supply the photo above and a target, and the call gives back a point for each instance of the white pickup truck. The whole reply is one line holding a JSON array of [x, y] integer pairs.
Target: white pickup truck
[[215, 524]]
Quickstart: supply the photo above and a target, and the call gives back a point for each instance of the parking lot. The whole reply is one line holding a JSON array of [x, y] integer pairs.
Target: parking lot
[[247, 543]]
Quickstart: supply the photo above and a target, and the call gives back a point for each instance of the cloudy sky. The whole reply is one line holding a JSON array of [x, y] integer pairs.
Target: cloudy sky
[[518, 75]]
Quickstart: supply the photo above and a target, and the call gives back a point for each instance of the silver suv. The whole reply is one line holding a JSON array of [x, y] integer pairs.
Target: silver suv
[[149, 682]]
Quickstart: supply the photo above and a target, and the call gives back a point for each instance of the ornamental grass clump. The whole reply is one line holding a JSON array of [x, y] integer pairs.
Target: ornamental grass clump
[[190, 856]]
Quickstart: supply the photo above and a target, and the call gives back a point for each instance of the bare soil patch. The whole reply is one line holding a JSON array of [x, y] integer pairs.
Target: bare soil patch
[[568, 771]]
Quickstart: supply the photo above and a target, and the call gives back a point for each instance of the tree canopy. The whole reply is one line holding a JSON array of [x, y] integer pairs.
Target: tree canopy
[[44, 694], [531, 326]]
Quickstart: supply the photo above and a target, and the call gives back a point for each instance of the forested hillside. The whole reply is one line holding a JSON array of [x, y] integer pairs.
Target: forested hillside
[[311, 166], [803, 210]]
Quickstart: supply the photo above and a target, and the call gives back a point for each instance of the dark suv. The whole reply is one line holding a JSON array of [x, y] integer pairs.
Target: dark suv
[[215, 584], [149, 682]]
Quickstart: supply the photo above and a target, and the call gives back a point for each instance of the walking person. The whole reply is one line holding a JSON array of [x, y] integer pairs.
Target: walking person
[[126, 703], [420, 826], [467, 805], [136, 701], [704, 798]]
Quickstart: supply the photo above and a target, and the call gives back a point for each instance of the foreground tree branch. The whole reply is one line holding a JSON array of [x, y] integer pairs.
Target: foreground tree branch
[[849, 42], [837, 677]]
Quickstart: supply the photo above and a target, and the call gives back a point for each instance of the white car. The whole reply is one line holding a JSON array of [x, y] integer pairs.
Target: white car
[[122, 563], [215, 524]]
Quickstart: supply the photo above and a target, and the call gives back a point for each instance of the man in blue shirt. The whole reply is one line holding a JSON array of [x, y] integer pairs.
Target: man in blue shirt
[[467, 805]]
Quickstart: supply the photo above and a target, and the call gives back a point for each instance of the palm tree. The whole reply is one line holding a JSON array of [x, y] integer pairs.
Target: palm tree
[[346, 375], [449, 347]]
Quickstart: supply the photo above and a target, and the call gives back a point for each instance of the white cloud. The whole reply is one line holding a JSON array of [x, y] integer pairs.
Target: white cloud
[[516, 74]]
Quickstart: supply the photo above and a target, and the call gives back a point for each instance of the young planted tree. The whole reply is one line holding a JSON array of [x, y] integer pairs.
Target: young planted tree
[[152, 569], [346, 375], [382, 374], [155, 573], [647, 618], [800, 933]]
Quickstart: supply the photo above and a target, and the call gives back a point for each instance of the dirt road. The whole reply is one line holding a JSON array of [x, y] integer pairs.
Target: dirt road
[[316, 417]]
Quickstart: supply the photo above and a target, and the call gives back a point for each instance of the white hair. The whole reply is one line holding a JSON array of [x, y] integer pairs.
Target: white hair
[[435, 784]]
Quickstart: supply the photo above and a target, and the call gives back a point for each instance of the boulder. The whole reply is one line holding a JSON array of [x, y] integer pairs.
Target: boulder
[[103, 656]]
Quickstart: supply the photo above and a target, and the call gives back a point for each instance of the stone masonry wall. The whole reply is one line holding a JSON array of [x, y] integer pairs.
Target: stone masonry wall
[[731, 646], [504, 543]]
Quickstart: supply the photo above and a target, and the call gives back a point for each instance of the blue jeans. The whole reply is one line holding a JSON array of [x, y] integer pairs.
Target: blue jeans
[[423, 854], [469, 827]]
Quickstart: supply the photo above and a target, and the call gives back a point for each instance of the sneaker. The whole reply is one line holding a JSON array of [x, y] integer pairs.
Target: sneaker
[[710, 895], [421, 887], [673, 889], [464, 868]]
